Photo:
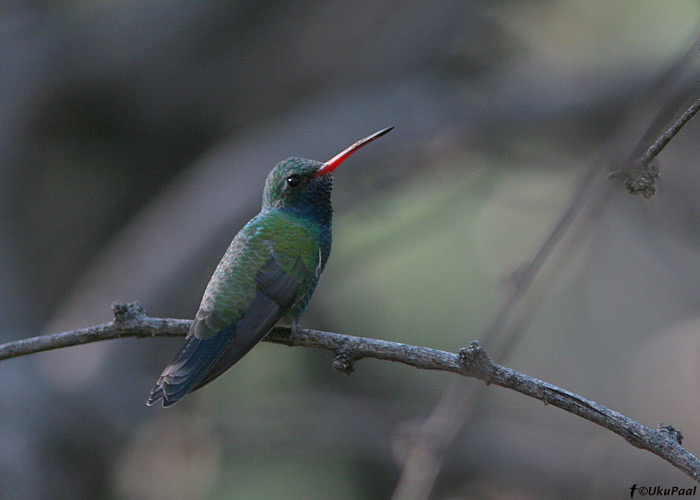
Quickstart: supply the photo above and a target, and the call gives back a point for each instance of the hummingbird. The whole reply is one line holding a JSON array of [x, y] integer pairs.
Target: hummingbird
[[267, 275]]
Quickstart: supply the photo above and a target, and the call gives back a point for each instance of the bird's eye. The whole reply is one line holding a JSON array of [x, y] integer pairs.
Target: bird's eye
[[293, 180]]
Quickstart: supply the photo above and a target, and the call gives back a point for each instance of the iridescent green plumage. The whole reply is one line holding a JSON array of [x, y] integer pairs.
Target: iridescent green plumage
[[293, 242], [268, 274]]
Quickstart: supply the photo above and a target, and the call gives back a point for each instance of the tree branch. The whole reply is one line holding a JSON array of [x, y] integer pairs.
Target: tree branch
[[640, 176], [131, 321], [666, 137]]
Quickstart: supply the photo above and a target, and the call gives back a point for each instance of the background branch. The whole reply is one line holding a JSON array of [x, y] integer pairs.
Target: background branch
[[640, 176], [130, 320]]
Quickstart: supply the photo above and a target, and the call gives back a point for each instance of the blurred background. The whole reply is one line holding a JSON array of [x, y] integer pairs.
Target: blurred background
[[135, 138]]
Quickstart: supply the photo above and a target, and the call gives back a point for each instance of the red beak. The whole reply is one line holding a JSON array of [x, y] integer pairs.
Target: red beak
[[333, 163]]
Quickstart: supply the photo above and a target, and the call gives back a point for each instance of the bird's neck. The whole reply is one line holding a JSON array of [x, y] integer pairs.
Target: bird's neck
[[316, 214], [313, 206]]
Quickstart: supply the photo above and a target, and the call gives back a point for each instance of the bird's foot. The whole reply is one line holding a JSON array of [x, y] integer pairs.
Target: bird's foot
[[292, 333]]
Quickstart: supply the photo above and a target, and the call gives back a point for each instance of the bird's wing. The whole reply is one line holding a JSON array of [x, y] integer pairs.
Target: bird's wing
[[236, 313], [278, 292]]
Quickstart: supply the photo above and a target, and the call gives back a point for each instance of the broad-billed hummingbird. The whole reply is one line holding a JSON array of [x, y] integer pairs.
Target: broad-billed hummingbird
[[266, 276]]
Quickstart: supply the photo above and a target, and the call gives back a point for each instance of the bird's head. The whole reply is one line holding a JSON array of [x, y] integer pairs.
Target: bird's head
[[304, 186]]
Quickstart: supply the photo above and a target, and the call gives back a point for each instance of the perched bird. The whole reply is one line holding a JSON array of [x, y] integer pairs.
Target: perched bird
[[266, 276]]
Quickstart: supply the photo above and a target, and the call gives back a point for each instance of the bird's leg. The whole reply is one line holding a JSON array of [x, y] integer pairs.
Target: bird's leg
[[292, 332]]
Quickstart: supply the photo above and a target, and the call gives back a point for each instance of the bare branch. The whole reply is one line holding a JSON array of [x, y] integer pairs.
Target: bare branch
[[666, 137], [640, 176], [131, 321]]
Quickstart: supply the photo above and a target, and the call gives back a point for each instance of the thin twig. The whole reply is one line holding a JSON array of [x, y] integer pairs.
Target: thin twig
[[131, 321], [640, 176], [666, 137]]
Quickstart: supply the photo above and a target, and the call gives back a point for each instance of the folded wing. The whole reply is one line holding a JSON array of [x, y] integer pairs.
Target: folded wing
[[207, 354]]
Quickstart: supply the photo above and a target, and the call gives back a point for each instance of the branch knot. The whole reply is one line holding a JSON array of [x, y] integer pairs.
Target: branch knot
[[127, 312], [344, 361], [473, 355], [671, 433], [638, 179]]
